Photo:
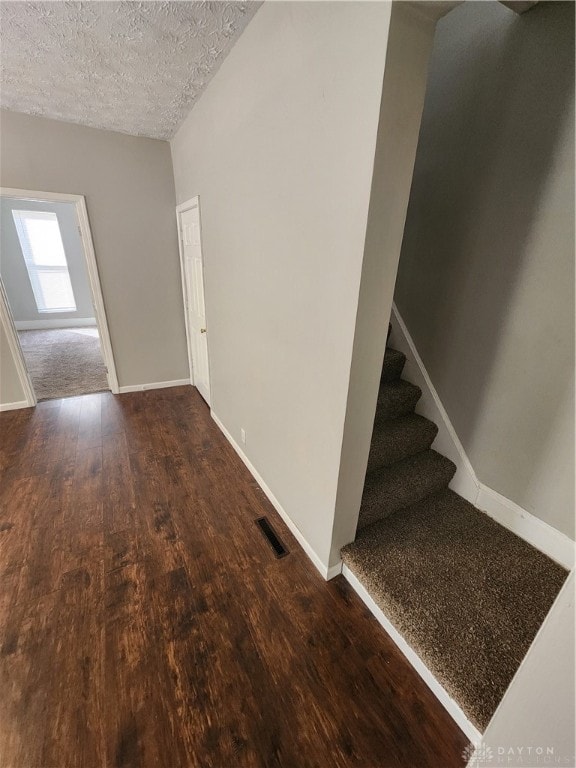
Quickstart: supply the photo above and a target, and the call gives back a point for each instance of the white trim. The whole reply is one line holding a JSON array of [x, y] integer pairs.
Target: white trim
[[154, 385], [327, 573], [447, 443], [334, 570], [39, 325], [186, 206], [412, 657], [194, 202], [40, 197], [542, 536], [507, 513], [7, 322], [91, 267], [97, 298], [14, 406]]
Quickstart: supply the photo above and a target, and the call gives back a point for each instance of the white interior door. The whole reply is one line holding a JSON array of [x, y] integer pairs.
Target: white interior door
[[193, 287]]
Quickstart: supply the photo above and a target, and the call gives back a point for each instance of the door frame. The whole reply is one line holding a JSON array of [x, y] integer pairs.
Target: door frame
[[193, 202], [6, 317]]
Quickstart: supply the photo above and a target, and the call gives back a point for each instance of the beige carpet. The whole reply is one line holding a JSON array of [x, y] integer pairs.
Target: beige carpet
[[64, 362], [465, 593], [468, 595]]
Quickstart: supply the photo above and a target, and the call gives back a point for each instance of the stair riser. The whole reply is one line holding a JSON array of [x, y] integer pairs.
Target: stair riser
[[383, 453], [378, 504], [392, 370], [392, 408]]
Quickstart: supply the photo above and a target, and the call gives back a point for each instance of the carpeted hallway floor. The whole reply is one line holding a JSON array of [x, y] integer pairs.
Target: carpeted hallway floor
[[64, 362], [466, 594]]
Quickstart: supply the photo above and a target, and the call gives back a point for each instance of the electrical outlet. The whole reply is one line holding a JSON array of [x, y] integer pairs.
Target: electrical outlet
[[243, 436]]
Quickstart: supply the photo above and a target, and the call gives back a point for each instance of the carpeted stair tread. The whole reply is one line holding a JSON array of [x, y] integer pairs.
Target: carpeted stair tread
[[388, 489], [397, 439], [396, 398], [393, 364], [466, 594]]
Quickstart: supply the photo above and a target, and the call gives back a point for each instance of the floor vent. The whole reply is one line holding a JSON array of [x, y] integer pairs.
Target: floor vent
[[270, 534]]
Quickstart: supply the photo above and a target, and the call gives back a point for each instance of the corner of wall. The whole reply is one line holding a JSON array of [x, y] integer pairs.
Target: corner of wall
[[403, 90]]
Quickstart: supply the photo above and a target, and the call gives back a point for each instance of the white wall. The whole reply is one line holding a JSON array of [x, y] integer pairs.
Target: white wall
[[280, 149], [486, 276], [409, 45], [129, 189], [13, 268], [538, 709]]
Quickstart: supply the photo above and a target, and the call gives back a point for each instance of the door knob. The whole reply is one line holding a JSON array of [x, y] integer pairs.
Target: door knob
[[202, 330]]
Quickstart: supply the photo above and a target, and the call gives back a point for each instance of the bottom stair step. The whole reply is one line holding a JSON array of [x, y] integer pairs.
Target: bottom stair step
[[466, 594]]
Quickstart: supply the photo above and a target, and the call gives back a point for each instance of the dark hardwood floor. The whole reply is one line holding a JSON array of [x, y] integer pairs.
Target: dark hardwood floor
[[145, 621]]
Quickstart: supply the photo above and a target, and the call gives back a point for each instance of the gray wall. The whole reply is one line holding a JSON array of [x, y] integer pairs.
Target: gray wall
[[129, 189], [486, 277], [280, 148], [409, 43], [13, 268]]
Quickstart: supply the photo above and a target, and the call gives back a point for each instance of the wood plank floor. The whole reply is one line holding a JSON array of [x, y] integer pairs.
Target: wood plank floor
[[145, 621]]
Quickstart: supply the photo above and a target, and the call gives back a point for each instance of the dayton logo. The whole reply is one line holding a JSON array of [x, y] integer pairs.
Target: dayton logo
[[477, 755]]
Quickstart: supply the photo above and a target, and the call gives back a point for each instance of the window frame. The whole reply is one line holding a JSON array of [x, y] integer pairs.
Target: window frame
[[34, 268]]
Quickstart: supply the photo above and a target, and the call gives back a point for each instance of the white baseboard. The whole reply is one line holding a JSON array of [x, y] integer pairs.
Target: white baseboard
[[153, 385], [542, 536], [334, 570], [447, 443], [410, 654], [14, 406], [327, 573], [507, 513], [40, 325]]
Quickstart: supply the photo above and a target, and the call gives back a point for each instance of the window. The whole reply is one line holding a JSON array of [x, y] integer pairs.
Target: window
[[43, 250]]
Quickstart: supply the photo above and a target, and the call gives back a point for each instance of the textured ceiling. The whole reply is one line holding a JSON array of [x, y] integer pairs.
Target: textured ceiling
[[135, 67]]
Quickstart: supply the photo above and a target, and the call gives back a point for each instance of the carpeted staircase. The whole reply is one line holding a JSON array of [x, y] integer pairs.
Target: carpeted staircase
[[466, 594]]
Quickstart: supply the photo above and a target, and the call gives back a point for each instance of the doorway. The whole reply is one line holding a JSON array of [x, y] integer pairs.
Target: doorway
[[192, 267], [50, 298]]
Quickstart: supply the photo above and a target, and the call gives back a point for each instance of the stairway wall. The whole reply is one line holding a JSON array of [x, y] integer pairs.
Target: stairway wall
[[546, 538], [409, 45], [486, 276], [280, 148], [538, 709]]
